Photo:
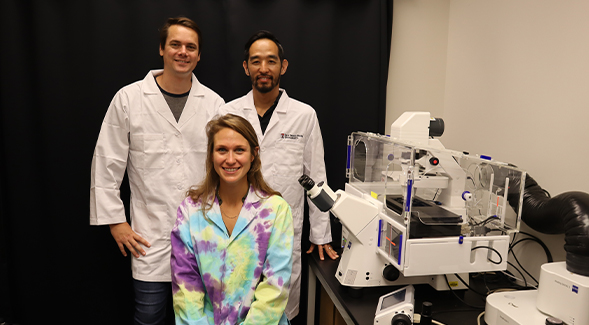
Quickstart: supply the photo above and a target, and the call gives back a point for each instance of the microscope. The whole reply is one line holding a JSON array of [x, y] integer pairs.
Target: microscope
[[414, 212]]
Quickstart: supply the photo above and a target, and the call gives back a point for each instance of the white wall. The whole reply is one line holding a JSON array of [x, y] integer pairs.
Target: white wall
[[515, 80], [417, 67]]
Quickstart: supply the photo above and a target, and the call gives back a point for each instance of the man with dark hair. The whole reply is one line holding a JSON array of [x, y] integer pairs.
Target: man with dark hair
[[154, 128], [290, 145]]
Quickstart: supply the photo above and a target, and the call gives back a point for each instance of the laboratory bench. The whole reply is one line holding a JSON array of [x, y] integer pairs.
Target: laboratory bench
[[358, 307]]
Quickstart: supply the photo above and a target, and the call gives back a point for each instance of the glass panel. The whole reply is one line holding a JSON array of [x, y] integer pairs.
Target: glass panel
[[436, 192], [390, 240]]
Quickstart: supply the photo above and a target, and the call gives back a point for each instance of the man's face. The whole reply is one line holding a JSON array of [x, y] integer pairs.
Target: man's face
[[181, 53], [263, 66]]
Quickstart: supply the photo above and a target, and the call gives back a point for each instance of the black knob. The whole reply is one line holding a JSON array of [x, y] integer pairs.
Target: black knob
[[436, 127], [390, 273], [401, 319], [426, 313], [434, 161]]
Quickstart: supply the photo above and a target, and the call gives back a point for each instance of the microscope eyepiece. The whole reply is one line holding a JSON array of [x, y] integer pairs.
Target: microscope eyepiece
[[306, 182]]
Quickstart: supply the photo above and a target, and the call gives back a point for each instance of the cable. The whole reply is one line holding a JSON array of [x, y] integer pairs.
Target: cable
[[513, 239], [499, 278], [503, 290], [436, 194], [479, 318], [532, 238], [417, 320], [484, 222], [486, 285], [513, 277], [464, 302], [469, 310], [526, 286], [520, 265], [472, 180], [548, 254], [492, 249], [473, 290], [540, 242]]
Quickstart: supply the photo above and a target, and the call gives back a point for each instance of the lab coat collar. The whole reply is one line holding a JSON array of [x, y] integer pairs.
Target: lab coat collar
[[248, 213], [281, 107], [282, 103], [195, 96], [251, 113]]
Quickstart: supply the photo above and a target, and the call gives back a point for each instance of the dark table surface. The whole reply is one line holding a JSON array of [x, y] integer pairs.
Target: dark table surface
[[361, 306]]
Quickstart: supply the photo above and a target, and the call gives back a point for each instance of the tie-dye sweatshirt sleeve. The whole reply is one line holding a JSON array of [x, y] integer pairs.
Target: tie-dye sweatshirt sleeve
[[187, 286], [271, 293]]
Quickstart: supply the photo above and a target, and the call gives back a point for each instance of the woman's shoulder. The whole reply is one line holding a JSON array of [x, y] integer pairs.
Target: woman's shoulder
[[264, 197], [191, 205], [188, 202], [274, 201], [277, 199]]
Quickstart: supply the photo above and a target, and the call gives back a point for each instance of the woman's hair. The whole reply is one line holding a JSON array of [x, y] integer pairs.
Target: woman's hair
[[206, 190]]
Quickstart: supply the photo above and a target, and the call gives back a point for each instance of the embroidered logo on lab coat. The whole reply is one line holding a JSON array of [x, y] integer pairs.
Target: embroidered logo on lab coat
[[291, 136]]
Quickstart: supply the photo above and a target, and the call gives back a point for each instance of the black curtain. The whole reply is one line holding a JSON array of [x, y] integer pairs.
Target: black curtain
[[61, 64]]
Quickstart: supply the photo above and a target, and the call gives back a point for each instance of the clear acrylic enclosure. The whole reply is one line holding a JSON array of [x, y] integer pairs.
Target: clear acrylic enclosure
[[435, 192]]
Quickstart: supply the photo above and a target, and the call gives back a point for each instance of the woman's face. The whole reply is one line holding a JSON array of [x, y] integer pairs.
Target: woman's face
[[232, 157]]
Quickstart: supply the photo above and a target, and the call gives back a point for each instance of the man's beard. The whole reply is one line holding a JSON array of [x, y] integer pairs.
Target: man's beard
[[265, 89]]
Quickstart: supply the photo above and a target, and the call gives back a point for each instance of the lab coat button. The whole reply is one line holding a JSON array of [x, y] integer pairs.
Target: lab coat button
[[177, 135], [179, 187]]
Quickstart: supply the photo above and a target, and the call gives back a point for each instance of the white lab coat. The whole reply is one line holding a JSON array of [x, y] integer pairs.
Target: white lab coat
[[291, 146], [163, 159]]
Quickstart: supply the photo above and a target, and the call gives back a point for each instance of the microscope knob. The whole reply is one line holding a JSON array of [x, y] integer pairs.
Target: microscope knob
[[390, 273], [426, 313], [401, 319], [553, 321]]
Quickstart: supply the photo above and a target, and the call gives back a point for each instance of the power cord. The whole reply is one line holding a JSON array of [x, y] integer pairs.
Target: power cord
[[492, 249], [417, 320], [534, 239], [469, 287], [484, 222], [541, 243], [479, 318], [523, 279], [512, 244], [464, 302]]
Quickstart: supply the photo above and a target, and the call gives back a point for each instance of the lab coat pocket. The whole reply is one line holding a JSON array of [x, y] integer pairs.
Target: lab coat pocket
[[288, 159], [151, 221], [147, 151]]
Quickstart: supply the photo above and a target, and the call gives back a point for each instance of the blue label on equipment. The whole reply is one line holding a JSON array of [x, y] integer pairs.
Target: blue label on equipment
[[575, 289], [348, 158]]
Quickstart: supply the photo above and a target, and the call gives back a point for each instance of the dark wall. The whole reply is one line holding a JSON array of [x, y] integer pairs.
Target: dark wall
[[62, 62]]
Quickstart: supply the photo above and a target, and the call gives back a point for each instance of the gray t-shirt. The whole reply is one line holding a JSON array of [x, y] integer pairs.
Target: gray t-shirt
[[175, 101]]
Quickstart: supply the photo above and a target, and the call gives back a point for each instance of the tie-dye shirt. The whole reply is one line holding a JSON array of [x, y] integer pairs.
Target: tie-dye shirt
[[239, 279]]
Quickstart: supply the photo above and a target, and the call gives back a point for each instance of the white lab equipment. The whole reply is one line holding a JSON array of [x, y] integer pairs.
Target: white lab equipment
[[415, 212], [412, 212], [561, 294], [396, 307]]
